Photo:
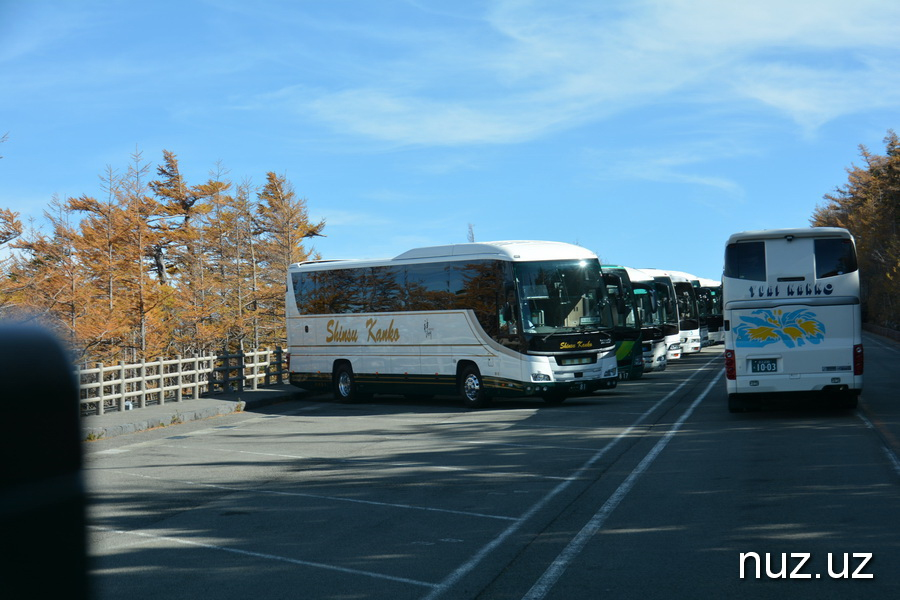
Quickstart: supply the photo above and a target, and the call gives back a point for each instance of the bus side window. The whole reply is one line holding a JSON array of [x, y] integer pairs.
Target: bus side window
[[746, 260]]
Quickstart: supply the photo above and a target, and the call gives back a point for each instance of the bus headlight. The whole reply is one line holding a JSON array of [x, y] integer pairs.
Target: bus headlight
[[540, 377]]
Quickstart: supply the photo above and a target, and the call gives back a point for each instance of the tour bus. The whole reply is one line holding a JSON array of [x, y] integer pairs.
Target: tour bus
[[508, 318], [686, 305], [792, 315], [700, 302], [713, 291], [627, 326], [665, 293], [652, 315]]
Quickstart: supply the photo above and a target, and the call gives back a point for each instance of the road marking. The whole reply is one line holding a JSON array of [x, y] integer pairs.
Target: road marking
[[888, 442], [869, 339], [574, 548], [293, 561], [485, 551], [231, 488]]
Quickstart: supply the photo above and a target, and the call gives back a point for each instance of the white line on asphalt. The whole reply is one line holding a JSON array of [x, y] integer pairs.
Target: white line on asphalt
[[574, 548], [532, 446], [479, 556], [879, 344], [352, 461], [880, 431], [212, 429], [261, 555], [231, 488]]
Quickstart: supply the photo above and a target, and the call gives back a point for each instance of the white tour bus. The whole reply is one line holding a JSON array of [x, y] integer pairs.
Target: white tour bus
[[792, 315], [666, 295], [713, 291], [511, 318], [686, 306], [699, 303], [653, 317]]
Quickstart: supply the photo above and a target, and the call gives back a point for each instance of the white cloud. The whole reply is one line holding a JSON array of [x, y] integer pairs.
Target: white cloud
[[548, 68], [677, 165]]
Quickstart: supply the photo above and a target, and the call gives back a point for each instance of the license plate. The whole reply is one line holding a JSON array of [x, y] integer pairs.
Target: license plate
[[763, 365]]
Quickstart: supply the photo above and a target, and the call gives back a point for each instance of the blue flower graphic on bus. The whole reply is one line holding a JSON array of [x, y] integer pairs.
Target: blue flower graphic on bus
[[794, 328]]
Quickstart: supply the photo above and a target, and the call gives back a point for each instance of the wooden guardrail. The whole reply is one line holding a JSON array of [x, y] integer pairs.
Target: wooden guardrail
[[126, 386]]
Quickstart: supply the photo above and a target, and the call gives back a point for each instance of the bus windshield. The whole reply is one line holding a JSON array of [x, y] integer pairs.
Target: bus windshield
[[649, 308], [562, 296], [669, 312], [687, 304]]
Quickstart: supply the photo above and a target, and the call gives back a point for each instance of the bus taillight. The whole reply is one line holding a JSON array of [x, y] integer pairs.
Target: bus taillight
[[730, 371], [858, 359]]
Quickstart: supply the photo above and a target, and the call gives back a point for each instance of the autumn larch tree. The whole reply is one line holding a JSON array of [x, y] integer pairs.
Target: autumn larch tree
[[282, 222], [868, 205]]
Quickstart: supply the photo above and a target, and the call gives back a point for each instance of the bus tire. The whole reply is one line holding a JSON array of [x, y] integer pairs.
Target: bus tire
[[344, 384], [471, 388]]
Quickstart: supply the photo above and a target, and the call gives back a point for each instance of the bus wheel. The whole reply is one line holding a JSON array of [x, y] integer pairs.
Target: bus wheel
[[471, 388], [345, 384]]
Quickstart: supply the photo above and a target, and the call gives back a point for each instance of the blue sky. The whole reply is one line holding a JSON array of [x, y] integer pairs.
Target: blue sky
[[647, 131]]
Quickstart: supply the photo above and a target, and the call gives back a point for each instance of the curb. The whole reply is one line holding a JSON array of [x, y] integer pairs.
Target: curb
[[143, 419]]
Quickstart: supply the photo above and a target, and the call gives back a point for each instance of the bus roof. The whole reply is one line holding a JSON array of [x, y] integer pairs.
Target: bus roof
[[799, 232], [511, 250], [684, 276], [638, 274], [673, 275], [704, 282]]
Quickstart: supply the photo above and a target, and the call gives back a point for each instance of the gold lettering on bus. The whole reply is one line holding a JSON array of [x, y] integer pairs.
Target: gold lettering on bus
[[336, 333], [388, 334], [581, 344]]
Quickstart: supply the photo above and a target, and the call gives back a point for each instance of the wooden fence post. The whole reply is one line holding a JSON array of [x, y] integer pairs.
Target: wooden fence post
[[254, 372], [178, 397], [196, 376], [100, 394], [142, 379], [242, 365], [122, 386], [279, 362], [160, 373]]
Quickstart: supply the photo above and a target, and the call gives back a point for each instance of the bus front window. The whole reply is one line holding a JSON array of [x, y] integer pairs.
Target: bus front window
[[562, 296]]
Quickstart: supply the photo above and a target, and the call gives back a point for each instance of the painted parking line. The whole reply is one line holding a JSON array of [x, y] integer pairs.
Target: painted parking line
[[889, 443], [433, 590], [573, 549], [264, 556], [464, 569], [265, 492]]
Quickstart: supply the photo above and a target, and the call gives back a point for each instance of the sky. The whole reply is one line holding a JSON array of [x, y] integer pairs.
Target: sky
[[647, 131]]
